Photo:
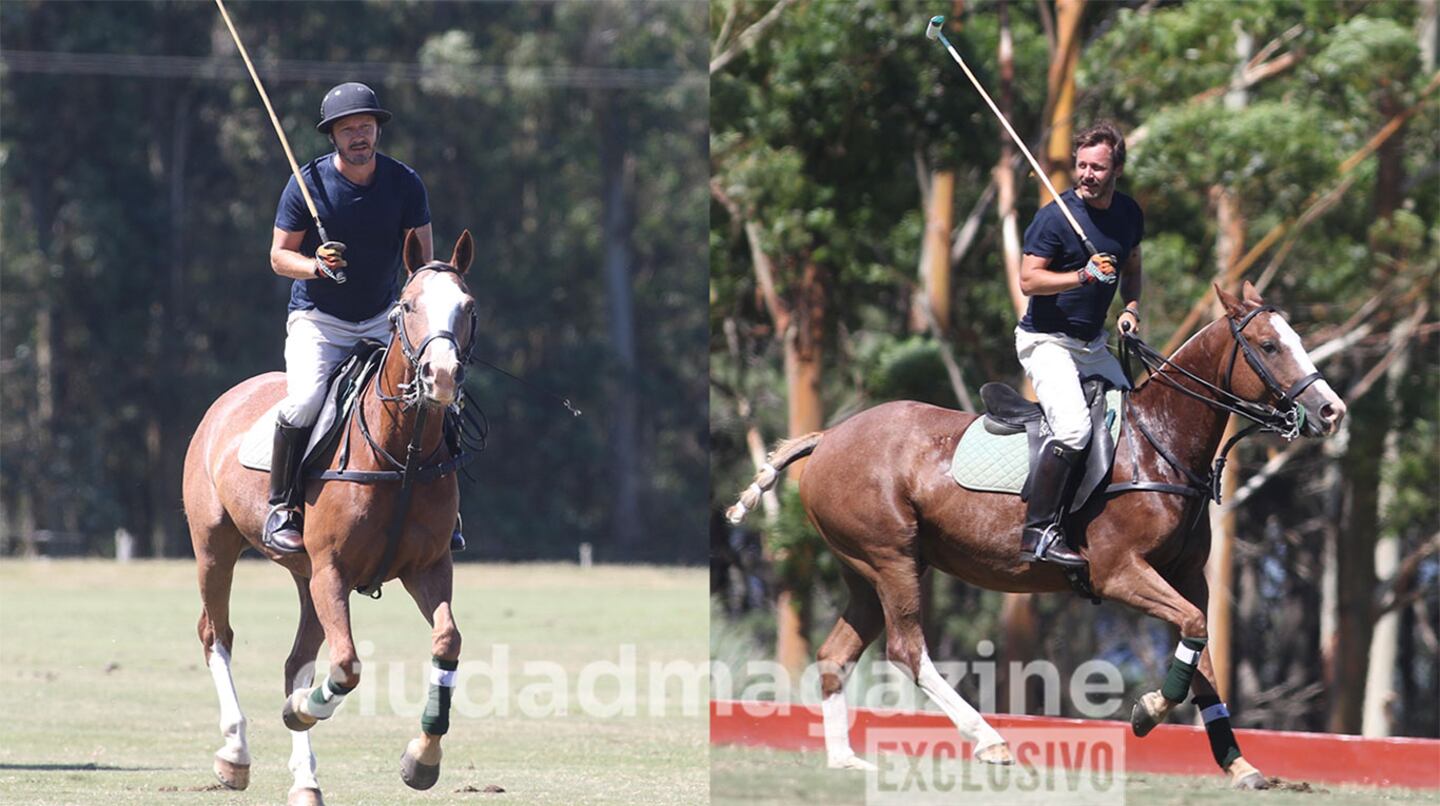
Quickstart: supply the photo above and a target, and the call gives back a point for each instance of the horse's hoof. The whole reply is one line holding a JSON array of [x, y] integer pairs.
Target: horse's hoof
[[995, 754], [304, 796], [295, 719], [1243, 775], [232, 775], [1252, 781], [416, 774], [851, 762], [1150, 711]]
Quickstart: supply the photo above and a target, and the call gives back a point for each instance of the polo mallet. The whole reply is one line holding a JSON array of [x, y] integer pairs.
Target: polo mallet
[[932, 31], [279, 132]]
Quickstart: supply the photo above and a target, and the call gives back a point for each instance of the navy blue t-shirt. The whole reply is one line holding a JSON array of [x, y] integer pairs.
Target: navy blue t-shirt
[[1079, 312], [370, 220]]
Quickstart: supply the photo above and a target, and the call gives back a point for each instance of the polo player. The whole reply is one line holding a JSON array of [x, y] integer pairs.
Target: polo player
[[344, 288], [1062, 338]]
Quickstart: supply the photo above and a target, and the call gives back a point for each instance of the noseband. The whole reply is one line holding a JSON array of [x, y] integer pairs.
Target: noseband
[[410, 392]]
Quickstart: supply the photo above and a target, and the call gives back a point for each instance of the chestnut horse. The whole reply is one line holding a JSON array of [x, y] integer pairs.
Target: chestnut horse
[[878, 490], [346, 524]]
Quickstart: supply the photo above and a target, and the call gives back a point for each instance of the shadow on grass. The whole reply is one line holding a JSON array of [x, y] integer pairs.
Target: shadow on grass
[[89, 767]]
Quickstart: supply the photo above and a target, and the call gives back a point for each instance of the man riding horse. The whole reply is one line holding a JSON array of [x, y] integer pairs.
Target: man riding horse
[[341, 295], [1061, 338]]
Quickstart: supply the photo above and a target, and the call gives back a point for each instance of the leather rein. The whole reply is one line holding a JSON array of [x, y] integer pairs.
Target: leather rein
[[1286, 419]]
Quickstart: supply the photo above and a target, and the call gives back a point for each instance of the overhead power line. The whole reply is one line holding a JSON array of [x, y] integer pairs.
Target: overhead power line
[[226, 68]]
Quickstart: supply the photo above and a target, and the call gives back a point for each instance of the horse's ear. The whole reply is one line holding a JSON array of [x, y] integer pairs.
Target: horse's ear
[[1250, 295], [1234, 308], [414, 257], [464, 252]]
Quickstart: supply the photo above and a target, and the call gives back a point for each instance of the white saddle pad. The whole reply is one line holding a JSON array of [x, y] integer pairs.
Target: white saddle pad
[[259, 442]]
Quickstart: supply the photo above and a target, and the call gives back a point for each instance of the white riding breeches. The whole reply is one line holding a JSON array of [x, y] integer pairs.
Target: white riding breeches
[[316, 343], [1055, 363]]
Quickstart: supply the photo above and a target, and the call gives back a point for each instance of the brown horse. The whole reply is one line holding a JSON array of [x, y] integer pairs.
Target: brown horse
[[877, 488], [345, 524]]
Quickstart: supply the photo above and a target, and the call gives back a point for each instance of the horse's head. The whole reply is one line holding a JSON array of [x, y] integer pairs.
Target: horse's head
[[1276, 370], [435, 320]]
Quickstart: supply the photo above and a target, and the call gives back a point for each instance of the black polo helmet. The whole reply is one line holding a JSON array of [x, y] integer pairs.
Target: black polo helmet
[[350, 98]]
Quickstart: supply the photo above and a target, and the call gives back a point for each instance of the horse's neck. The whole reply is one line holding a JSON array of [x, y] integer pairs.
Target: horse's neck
[[390, 425], [1190, 429]]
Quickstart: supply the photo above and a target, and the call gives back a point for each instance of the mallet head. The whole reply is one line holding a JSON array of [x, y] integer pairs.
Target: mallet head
[[932, 30]]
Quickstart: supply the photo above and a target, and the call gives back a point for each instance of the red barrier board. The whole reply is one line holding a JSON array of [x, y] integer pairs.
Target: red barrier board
[[1170, 749]]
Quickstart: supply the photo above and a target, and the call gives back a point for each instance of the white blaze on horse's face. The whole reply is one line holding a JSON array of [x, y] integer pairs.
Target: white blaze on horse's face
[[442, 301], [1320, 401]]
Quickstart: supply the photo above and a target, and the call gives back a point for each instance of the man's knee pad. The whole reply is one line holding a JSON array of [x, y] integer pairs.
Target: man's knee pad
[[301, 413]]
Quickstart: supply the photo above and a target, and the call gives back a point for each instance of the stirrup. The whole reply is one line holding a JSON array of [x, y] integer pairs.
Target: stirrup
[[289, 517], [1048, 541]]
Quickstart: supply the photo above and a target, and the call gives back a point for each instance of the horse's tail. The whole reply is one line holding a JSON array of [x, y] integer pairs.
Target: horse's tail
[[786, 452]]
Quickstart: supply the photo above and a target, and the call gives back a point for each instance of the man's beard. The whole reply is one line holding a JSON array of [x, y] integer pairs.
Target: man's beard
[[358, 158], [1097, 190]]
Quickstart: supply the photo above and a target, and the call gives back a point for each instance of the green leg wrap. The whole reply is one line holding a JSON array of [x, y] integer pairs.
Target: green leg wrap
[[1182, 669], [1217, 726], [436, 719], [322, 698]]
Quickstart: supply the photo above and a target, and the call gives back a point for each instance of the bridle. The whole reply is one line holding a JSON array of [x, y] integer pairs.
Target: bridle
[[1286, 419], [410, 391], [1290, 413]]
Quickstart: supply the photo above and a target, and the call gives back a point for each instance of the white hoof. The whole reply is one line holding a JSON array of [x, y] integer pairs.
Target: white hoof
[[304, 796], [995, 754], [232, 775], [851, 762]]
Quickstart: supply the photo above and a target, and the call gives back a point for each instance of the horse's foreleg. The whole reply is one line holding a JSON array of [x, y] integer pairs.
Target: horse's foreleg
[[300, 674], [1141, 586], [431, 590], [215, 560], [1213, 712], [899, 589], [331, 598], [861, 622]]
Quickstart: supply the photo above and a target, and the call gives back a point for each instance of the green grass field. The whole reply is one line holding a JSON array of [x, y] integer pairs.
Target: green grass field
[[105, 699], [760, 777]]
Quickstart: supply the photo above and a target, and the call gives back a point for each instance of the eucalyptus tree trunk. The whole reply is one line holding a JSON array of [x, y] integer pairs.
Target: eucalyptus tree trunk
[[618, 172], [1060, 100]]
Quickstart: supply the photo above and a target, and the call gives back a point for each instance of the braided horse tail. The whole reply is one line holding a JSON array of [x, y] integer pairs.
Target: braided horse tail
[[785, 452]]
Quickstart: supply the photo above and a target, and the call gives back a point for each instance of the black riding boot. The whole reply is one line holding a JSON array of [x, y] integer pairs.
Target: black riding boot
[[1043, 540], [283, 524], [457, 539]]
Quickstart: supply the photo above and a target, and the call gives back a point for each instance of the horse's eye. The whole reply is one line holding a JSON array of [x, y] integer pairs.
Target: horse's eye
[[1268, 346], [405, 307]]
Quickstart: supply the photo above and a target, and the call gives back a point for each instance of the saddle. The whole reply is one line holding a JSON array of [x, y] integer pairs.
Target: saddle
[[345, 383], [993, 458]]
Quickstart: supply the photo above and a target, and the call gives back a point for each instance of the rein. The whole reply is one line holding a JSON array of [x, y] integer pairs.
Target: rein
[[1287, 420]]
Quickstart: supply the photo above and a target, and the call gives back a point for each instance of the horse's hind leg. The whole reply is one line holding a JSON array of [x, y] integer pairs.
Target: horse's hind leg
[[300, 674], [431, 588], [216, 550], [861, 622], [899, 589], [1213, 712]]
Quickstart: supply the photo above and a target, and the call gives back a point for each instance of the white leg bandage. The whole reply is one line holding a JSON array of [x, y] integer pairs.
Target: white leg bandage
[[837, 727], [232, 720], [967, 720], [302, 760]]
